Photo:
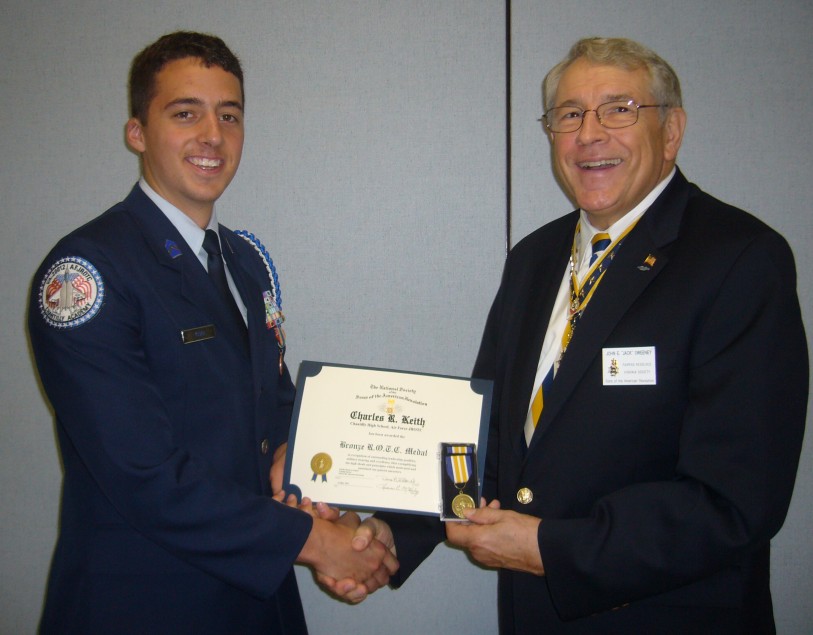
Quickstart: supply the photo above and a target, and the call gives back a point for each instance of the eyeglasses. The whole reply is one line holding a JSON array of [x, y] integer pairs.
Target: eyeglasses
[[613, 114]]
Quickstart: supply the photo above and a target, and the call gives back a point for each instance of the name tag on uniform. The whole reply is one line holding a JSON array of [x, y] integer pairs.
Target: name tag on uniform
[[198, 334], [628, 366]]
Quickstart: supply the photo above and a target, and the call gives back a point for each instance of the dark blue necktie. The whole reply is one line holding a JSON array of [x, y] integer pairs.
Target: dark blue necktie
[[217, 274], [599, 243]]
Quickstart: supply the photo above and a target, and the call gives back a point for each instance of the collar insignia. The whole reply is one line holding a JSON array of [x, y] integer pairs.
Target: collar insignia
[[172, 249]]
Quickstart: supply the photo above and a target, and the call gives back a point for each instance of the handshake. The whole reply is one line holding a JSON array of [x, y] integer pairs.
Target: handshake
[[351, 559]]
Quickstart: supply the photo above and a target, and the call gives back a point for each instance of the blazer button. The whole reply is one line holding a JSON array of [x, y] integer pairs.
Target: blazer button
[[264, 446], [525, 496]]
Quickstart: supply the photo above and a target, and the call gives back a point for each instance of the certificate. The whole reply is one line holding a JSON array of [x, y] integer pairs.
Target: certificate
[[369, 438]]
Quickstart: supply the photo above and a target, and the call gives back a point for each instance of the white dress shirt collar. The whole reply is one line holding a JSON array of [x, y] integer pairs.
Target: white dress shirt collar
[[587, 231], [187, 228]]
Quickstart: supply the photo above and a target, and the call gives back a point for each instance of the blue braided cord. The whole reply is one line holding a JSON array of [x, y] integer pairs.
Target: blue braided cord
[[269, 263]]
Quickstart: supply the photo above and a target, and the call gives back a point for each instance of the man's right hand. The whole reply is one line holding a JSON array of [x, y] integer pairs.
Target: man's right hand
[[349, 565], [370, 532]]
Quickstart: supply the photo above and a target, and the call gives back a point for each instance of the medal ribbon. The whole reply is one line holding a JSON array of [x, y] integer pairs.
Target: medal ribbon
[[458, 464], [581, 294]]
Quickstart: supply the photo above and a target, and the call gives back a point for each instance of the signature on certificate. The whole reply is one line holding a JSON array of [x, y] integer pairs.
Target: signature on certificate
[[401, 484]]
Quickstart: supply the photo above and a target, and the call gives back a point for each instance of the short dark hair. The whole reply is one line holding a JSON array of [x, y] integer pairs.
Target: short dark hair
[[209, 49]]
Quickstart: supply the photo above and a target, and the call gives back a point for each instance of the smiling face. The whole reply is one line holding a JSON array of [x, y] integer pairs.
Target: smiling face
[[608, 172], [191, 146]]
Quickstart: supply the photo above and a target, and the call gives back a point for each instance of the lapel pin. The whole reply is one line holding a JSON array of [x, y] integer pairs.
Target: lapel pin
[[172, 248], [649, 262]]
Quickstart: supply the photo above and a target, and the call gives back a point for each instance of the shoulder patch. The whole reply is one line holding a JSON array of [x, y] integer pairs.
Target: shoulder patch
[[71, 293]]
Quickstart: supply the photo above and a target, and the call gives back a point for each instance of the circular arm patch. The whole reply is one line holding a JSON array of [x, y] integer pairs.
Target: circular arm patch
[[71, 293]]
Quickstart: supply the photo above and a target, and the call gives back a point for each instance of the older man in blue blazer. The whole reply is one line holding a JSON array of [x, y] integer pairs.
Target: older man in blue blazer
[[651, 380]]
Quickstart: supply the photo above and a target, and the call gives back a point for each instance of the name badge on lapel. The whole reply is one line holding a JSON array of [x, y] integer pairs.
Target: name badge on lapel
[[198, 334], [633, 366]]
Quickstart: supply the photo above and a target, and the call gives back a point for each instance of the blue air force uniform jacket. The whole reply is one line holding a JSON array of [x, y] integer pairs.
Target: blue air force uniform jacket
[[166, 436]]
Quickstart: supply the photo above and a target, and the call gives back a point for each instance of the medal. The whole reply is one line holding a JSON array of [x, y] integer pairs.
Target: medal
[[458, 470], [273, 320], [461, 502]]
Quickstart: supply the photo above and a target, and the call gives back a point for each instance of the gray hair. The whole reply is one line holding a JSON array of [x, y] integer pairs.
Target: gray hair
[[623, 53]]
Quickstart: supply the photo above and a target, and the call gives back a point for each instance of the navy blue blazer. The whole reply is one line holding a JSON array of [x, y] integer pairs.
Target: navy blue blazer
[[166, 523], [658, 502]]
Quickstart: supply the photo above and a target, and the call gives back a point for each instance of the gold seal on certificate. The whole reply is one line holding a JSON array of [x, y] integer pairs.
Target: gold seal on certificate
[[461, 502], [370, 438], [321, 464]]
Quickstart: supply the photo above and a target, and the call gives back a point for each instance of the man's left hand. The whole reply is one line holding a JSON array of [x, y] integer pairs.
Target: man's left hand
[[499, 538]]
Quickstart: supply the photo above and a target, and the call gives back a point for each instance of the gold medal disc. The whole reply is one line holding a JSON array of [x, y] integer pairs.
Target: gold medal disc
[[461, 502]]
